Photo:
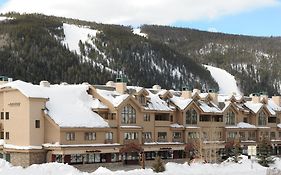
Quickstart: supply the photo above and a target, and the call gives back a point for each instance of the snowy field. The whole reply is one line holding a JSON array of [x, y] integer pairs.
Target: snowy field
[[225, 168]]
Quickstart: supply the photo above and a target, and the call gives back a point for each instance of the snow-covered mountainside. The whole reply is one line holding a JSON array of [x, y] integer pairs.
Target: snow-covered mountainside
[[225, 168], [226, 81]]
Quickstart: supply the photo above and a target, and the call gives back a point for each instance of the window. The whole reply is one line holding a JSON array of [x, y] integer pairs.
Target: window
[[1, 135], [146, 117], [130, 135], [176, 135], [262, 119], [109, 136], [7, 135], [193, 135], [2, 115], [171, 118], [232, 135], [272, 135], [7, 116], [162, 136], [128, 115], [191, 117], [230, 118], [37, 123], [279, 134], [90, 136], [147, 135], [252, 135], [70, 136], [142, 99], [162, 117]]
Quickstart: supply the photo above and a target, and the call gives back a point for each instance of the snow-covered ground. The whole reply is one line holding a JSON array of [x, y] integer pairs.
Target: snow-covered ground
[[225, 168], [137, 31], [73, 34], [226, 81]]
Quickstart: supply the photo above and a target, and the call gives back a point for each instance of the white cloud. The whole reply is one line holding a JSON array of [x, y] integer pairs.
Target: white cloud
[[136, 12]]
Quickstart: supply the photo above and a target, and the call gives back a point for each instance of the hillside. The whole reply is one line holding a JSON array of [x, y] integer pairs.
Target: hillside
[[36, 47], [254, 61]]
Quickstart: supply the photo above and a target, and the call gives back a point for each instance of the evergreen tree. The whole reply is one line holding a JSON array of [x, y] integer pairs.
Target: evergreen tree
[[158, 165], [264, 151]]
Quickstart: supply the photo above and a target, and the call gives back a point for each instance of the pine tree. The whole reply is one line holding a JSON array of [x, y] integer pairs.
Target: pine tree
[[264, 150], [158, 165]]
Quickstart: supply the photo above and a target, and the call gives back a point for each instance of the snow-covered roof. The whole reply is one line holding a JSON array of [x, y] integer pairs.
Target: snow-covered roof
[[255, 107], [136, 88], [180, 102], [27, 89], [156, 103], [97, 104], [208, 108], [242, 125], [223, 97], [273, 105], [176, 125], [67, 105], [279, 125], [113, 97]]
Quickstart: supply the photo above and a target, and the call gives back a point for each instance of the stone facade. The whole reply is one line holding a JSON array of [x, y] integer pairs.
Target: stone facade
[[25, 159]]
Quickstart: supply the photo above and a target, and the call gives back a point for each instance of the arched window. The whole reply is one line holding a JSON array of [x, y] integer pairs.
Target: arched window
[[262, 119], [230, 118], [191, 117], [128, 115]]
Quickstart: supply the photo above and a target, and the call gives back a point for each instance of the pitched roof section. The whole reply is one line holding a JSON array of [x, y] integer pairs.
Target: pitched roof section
[[27, 89], [156, 103], [68, 105], [113, 97], [180, 102]]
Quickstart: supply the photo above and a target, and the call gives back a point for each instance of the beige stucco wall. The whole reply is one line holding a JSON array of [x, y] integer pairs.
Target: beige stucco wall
[[18, 123]]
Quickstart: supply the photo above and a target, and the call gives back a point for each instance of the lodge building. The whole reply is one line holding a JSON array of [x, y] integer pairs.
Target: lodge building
[[89, 124]]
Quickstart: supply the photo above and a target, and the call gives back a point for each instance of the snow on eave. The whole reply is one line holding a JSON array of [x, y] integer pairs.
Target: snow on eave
[[27, 89], [242, 125], [279, 125], [50, 145], [16, 147]]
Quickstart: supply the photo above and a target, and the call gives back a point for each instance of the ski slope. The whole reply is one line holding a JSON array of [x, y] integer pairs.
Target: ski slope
[[226, 81]]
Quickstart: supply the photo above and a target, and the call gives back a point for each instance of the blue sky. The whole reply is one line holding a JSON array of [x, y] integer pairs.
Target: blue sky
[[260, 22], [247, 17]]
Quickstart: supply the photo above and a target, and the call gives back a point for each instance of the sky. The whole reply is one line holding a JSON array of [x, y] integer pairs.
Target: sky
[[247, 17]]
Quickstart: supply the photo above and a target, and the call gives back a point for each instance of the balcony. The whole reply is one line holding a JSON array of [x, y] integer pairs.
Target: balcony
[[177, 140], [128, 141], [162, 140], [108, 141]]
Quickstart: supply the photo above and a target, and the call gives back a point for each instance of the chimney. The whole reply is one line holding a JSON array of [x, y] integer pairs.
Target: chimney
[[44, 83], [264, 97], [255, 98], [196, 91], [214, 96], [121, 85], [277, 100], [186, 93]]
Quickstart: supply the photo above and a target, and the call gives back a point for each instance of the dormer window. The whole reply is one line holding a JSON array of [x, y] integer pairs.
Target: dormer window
[[191, 117], [142, 99], [128, 115], [262, 119], [230, 118]]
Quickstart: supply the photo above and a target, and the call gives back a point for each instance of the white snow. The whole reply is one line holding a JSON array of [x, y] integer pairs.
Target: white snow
[[176, 125], [156, 103], [57, 145], [255, 107], [226, 81], [113, 97], [242, 125], [4, 18], [131, 127], [207, 108], [137, 31], [67, 105], [73, 34], [181, 102], [225, 168]]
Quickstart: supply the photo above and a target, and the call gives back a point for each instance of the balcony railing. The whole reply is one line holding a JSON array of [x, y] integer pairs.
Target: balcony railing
[[108, 141], [162, 140]]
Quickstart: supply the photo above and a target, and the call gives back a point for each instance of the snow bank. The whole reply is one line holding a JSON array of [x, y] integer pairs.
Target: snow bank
[[225, 168], [226, 81]]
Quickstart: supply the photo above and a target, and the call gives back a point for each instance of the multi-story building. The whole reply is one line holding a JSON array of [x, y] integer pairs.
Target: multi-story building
[[115, 122]]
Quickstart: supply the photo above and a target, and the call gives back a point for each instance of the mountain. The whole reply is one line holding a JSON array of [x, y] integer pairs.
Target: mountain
[[254, 61], [36, 47]]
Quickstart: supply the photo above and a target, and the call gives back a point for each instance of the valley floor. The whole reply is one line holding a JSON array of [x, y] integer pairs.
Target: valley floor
[[225, 168]]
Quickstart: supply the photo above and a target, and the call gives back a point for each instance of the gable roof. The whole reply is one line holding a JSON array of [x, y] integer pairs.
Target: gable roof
[[68, 105], [181, 102]]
